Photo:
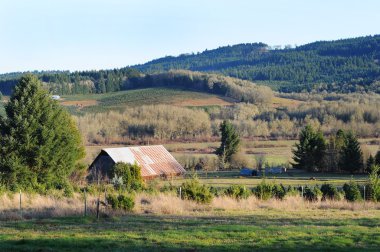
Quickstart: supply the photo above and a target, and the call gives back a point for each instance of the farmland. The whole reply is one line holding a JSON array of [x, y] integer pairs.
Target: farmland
[[139, 97]]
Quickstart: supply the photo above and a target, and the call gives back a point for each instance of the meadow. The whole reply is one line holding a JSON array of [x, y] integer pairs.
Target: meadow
[[91, 103], [171, 224]]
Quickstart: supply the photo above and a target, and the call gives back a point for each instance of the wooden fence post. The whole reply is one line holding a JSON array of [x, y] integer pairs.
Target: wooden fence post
[[85, 203], [20, 206], [364, 194], [97, 208]]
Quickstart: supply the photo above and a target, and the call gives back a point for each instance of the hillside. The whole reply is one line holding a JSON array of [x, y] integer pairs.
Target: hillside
[[343, 65], [82, 104]]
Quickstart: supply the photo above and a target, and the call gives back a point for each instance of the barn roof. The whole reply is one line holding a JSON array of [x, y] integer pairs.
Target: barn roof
[[154, 160]]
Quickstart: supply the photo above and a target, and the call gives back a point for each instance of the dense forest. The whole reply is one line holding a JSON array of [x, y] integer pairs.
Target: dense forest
[[342, 66]]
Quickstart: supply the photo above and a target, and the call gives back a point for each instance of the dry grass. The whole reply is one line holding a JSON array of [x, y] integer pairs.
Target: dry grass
[[80, 103], [39, 206], [170, 204], [212, 101]]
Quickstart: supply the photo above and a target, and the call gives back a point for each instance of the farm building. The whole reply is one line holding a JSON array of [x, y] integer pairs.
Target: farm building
[[155, 161]]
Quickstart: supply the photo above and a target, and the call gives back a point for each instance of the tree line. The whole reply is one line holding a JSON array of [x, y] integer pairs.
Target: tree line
[[124, 79], [340, 153], [346, 65]]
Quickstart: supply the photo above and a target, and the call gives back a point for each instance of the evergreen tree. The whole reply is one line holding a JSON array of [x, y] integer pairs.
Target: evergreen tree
[[309, 153], [370, 163], [40, 143], [230, 142], [377, 158], [351, 156]]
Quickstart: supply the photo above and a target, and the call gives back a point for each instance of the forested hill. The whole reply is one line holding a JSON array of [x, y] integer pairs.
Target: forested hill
[[343, 65]]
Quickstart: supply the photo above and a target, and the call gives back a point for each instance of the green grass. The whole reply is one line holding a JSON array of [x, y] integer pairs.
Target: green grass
[[264, 230], [133, 98], [225, 179]]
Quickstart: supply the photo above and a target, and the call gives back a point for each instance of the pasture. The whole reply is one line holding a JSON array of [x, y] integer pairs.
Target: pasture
[[263, 229], [138, 97]]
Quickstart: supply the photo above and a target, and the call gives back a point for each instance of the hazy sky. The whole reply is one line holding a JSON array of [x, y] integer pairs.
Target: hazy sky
[[103, 34]]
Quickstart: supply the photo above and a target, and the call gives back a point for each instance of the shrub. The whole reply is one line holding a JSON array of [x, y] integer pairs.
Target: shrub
[[330, 192], [168, 187], [237, 192], [351, 191], [130, 174], [264, 190], [193, 190], [217, 192], [292, 191], [312, 194], [279, 191], [374, 181], [239, 160], [121, 202]]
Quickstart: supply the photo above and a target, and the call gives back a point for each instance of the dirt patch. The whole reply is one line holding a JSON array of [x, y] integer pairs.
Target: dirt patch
[[205, 102], [81, 103]]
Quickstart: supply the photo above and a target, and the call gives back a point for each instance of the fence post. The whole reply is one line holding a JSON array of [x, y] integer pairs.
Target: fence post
[[20, 206], [97, 208], [364, 194], [180, 192], [85, 203], [302, 191]]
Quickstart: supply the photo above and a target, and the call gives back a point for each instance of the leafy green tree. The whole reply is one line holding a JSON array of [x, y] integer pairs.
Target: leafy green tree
[[310, 151], [230, 142], [351, 156], [40, 143]]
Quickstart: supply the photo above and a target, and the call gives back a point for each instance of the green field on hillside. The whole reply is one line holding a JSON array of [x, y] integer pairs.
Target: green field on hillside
[[263, 229], [140, 97]]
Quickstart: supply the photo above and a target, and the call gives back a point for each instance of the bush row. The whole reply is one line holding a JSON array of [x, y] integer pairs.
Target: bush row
[[194, 190]]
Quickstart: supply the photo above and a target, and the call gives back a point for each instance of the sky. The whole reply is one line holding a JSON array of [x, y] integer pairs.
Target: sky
[[104, 34]]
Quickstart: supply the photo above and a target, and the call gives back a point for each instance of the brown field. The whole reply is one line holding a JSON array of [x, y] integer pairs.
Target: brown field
[[285, 102], [81, 103], [218, 101]]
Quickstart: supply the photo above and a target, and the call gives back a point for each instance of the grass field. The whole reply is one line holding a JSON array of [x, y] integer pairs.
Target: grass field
[[264, 230], [139, 97]]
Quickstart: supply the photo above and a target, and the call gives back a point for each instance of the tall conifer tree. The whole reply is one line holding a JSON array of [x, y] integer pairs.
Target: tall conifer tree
[[40, 143]]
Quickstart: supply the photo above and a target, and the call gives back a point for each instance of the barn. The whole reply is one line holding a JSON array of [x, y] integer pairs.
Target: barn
[[155, 161]]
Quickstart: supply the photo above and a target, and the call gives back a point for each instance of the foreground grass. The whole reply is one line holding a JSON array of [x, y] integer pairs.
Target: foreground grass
[[271, 230]]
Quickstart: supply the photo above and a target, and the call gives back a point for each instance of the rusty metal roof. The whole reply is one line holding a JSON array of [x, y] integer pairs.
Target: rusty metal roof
[[154, 160]]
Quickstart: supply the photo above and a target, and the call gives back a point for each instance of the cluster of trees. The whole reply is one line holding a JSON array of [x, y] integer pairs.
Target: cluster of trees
[[357, 112], [144, 123], [40, 144], [240, 90], [344, 65], [340, 153], [65, 82]]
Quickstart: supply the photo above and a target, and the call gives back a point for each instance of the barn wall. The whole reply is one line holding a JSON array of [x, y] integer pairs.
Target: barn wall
[[101, 166]]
